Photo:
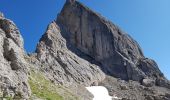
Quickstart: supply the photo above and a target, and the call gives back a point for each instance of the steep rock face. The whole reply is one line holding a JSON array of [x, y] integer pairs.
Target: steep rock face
[[13, 68], [61, 65], [119, 54], [79, 49]]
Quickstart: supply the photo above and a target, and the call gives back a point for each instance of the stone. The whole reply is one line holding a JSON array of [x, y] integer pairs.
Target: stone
[[119, 54], [52, 51], [79, 49], [1, 15], [167, 95], [148, 82], [11, 31], [158, 97], [148, 97], [124, 87], [163, 82], [150, 68], [13, 70]]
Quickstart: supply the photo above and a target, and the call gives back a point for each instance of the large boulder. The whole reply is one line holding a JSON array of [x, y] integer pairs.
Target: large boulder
[[148, 82]]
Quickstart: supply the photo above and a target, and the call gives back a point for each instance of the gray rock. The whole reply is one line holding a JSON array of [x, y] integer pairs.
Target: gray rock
[[157, 97], [167, 95], [148, 82], [148, 97], [11, 31], [13, 67], [79, 49], [69, 69], [90, 33], [149, 67], [1, 15], [163, 82], [123, 87]]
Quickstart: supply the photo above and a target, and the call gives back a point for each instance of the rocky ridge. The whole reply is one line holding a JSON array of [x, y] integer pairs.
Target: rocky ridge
[[67, 67], [80, 48], [119, 54], [13, 67]]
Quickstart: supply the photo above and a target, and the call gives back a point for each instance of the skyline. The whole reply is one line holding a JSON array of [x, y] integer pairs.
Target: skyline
[[141, 19]]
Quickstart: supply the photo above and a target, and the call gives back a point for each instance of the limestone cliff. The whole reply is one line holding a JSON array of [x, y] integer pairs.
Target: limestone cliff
[[62, 64], [13, 67], [120, 55], [80, 48]]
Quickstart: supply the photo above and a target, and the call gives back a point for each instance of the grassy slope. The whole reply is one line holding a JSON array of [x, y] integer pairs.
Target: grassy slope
[[44, 89]]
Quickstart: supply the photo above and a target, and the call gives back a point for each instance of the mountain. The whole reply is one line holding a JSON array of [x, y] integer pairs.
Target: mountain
[[79, 49]]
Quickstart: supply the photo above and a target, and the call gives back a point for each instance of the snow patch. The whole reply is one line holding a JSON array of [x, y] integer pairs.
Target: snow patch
[[101, 93]]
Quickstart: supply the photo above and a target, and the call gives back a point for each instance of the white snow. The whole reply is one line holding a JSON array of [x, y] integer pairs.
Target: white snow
[[100, 93]]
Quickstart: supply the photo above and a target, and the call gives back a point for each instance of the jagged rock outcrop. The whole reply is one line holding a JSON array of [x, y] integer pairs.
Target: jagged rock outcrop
[[80, 48], [64, 66], [13, 67], [119, 54]]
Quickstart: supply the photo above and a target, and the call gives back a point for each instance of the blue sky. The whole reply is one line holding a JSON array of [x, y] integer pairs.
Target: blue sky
[[147, 21]]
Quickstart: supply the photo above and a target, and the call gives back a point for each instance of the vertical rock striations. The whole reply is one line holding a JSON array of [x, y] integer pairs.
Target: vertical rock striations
[[80, 48], [63, 66], [119, 54]]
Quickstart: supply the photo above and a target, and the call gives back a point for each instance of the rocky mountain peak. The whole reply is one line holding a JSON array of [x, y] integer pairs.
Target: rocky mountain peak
[[78, 49], [119, 54]]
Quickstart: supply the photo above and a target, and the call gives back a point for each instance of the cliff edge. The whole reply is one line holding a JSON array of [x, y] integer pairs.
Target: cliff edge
[[80, 48]]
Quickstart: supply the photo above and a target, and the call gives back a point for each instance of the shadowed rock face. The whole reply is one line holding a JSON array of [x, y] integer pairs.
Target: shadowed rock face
[[80, 48], [119, 54]]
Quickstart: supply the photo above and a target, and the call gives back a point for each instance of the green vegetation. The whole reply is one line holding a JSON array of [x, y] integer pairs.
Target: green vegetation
[[6, 98], [44, 89]]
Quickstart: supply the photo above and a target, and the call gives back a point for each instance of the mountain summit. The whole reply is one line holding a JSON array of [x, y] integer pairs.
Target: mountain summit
[[120, 55], [79, 49]]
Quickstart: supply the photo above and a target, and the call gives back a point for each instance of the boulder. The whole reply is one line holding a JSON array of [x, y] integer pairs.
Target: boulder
[[148, 82]]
